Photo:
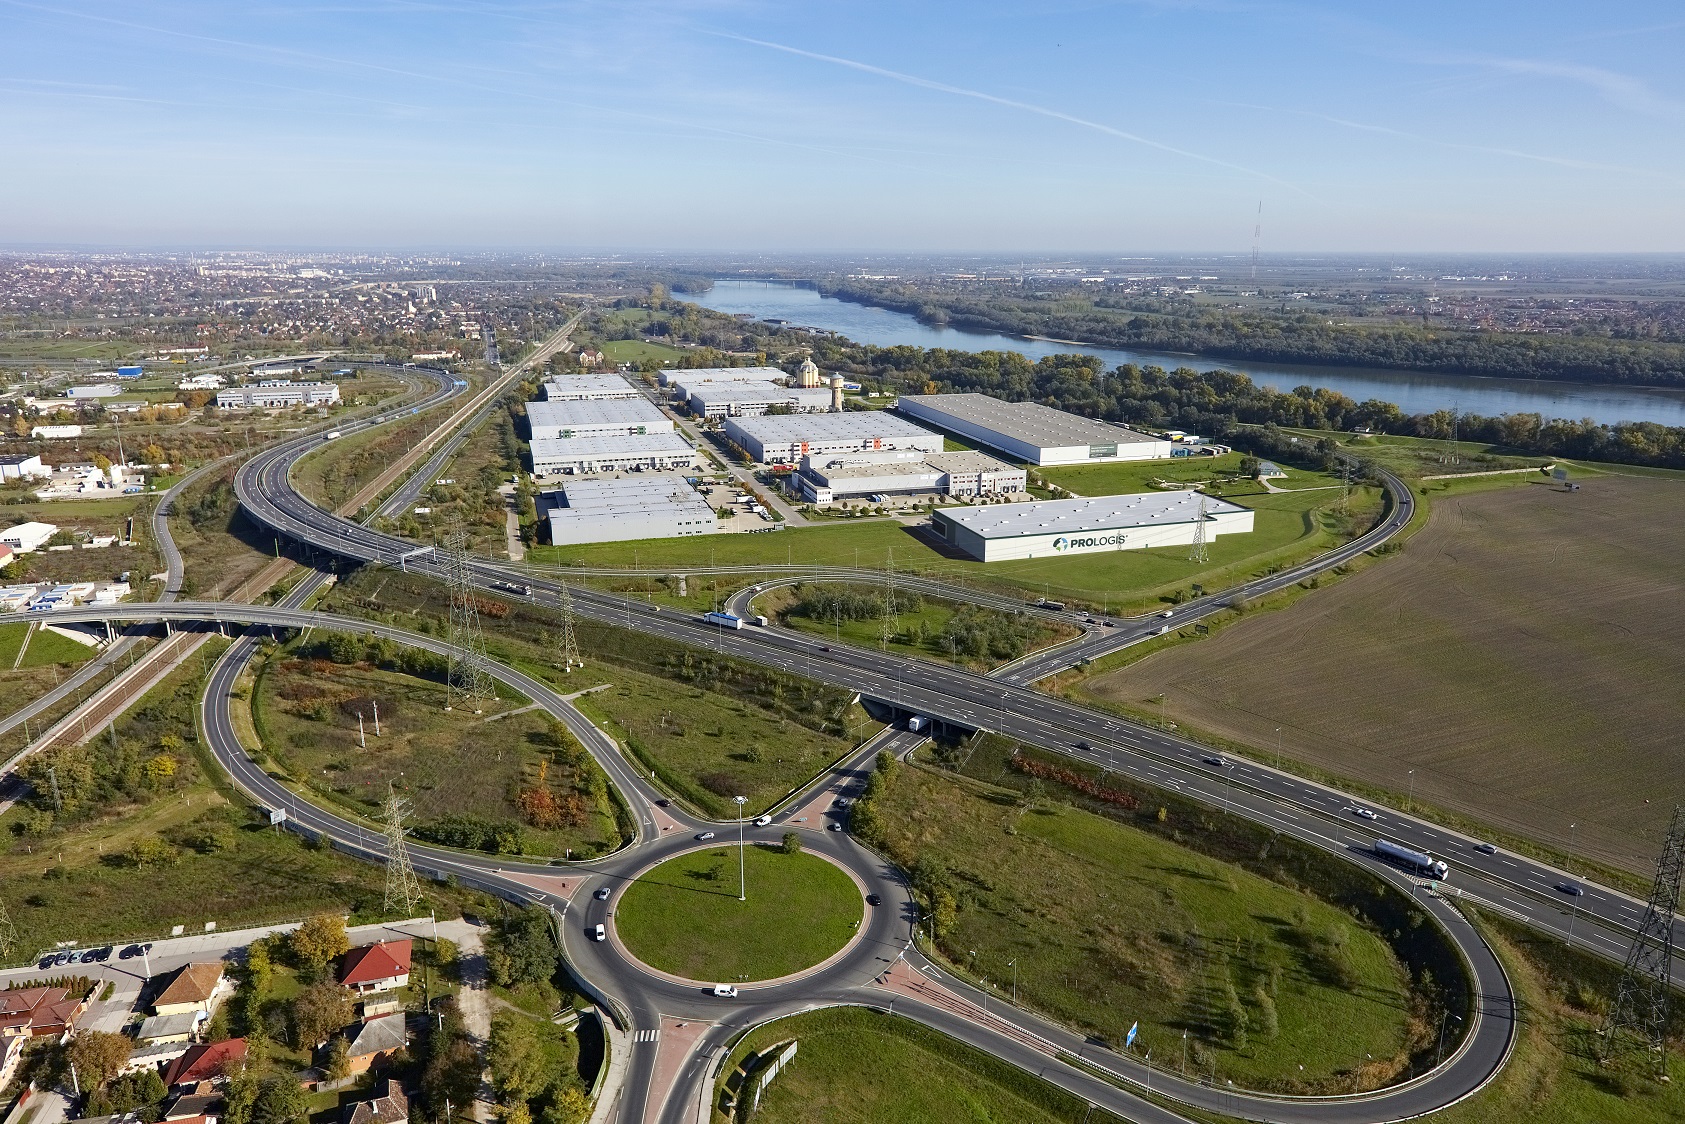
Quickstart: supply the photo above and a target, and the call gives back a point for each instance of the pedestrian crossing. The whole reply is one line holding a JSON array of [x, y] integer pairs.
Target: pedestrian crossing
[[646, 1035]]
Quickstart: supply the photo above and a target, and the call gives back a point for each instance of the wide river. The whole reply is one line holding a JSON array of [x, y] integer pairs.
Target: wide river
[[1415, 392]]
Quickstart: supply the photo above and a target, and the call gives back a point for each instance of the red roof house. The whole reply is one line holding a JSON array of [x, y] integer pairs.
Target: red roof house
[[205, 1063], [382, 966], [38, 1011]]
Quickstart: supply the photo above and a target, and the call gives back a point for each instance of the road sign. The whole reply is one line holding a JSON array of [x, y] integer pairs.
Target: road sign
[[278, 817]]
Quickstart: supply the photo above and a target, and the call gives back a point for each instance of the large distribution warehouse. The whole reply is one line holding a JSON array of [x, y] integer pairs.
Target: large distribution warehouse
[[696, 376], [747, 399], [828, 478], [556, 456], [617, 510], [588, 388], [271, 395], [787, 438], [618, 417], [1031, 432], [1053, 528]]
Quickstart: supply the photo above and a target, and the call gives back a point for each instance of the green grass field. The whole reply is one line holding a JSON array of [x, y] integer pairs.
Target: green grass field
[[709, 746], [684, 915], [1289, 526], [44, 648], [1110, 925], [636, 351], [856, 1066]]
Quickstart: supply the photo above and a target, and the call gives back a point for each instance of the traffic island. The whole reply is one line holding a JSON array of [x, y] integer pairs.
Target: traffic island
[[682, 917]]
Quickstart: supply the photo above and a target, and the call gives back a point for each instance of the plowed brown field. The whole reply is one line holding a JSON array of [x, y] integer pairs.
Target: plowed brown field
[[1525, 654]]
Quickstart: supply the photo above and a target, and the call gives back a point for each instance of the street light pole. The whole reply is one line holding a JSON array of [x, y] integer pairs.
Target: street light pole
[[742, 878], [1410, 804]]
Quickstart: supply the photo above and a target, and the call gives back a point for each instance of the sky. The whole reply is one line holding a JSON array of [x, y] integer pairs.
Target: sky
[[745, 125]]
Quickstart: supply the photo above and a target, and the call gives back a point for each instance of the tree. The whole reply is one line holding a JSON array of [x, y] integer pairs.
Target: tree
[[339, 1059], [519, 1068], [319, 940], [569, 1106], [98, 1056], [1249, 467], [525, 951], [319, 1010], [280, 1100], [792, 843]]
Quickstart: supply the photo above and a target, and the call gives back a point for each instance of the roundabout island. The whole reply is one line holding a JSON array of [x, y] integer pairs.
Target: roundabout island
[[682, 917]]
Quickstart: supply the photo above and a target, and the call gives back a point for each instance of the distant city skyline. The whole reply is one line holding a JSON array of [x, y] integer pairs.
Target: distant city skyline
[[734, 125]]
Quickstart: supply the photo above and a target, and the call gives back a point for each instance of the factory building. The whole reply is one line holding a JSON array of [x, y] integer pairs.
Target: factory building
[[22, 466], [270, 395], [839, 476], [95, 390], [588, 388], [1053, 528], [696, 376], [615, 417], [787, 438], [1031, 432], [751, 399], [617, 510], [571, 456]]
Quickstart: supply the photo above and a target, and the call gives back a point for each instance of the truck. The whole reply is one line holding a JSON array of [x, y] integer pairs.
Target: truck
[[724, 620], [1050, 606], [1418, 862], [917, 723], [760, 620], [331, 436]]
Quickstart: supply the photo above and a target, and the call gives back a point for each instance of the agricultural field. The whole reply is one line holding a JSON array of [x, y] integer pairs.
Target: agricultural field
[[1290, 526], [857, 1066], [508, 780], [1110, 925], [1518, 655]]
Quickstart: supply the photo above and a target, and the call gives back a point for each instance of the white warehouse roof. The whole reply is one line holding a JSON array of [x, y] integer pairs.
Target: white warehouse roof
[[1030, 422], [591, 414], [775, 428], [564, 388], [1083, 516]]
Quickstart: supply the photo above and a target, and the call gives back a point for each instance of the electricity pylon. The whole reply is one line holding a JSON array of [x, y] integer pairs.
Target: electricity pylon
[[1198, 553], [1638, 1020], [403, 889], [465, 674], [570, 645], [8, 935]]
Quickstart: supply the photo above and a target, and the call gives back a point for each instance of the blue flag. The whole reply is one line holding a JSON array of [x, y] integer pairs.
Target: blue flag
[[1130, 1040]]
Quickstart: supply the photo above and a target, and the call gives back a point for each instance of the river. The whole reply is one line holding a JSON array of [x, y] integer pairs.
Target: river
[[1415, 392]]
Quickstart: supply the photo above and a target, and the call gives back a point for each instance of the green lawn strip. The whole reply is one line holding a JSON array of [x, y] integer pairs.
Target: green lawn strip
[[449, 764], [854, 1065], [636, 351], [45, 648], [1554, 1077], [684, 915], [1111, 925]]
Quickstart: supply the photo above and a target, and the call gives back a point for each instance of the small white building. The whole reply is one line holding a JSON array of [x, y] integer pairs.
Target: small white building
[[1054, 528], [962, 474], [751, 399], [202, 382], [27, 537], [22, 466], [94, 390], [696, 376], [55, 432]]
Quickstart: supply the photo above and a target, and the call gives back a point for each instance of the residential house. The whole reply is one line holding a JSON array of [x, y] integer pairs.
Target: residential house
[[197, 987], [205, 1063], [382, 966], [11, 1052], [204, 1099], [375, 1040], [169, 1028], [37, 1012], [7, 556], [390, 1106]]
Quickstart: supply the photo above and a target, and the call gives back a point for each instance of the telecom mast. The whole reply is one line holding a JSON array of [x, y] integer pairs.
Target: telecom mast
[[1638, 1020]]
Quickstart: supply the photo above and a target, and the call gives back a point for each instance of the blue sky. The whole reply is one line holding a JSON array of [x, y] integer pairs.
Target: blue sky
[[746, 124]]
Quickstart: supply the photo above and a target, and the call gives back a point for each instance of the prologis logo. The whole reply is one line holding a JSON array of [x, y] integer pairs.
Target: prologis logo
[[1061, 543]]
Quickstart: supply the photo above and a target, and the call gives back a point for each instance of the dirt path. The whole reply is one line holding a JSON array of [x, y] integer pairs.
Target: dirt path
[[475, 1002]]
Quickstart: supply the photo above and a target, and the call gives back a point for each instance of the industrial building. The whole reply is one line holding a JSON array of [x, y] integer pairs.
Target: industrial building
[[557, 456], [1052, 528], [1031, 432], [588, 388], [696, 376], [22, 466], [270, 395], [749, 399], [829, 478], [615, 417], [787, 438], [96, 390], [26, 537], [616, 510]]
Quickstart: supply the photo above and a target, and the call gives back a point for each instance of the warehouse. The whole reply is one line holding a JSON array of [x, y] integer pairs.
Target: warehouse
[[1054, 528], [1031, 432], [270, 395], [22, 466], [588, 388], [751, 399], [620, 417], [616, 510], [787, 438], [570, 456], [696, 376], [830, 478]]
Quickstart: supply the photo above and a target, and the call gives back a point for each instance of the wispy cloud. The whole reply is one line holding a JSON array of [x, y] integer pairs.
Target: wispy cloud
[[1009, 103], [1618, 89]]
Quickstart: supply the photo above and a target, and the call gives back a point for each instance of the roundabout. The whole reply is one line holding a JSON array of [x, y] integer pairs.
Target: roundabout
[[681, 919]]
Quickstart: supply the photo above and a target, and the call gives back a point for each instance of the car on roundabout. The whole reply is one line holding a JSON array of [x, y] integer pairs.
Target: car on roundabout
[[725, 991], [702, 835], [602, 893], [599, 933]]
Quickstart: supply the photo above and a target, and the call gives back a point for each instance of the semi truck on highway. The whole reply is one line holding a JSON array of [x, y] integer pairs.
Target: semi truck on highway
[[1418, 861], [724, 620], [917, 723]]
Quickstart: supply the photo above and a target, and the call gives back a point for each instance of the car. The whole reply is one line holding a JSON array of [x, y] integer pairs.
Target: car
[[46, 961], [132, 950], [599, 933], [762, 821], [824, 647], [704, 835], [1569, 888], [655, 608], [663, 803], [1168, 613], [602, 893], [1364, 813], [725, 991], [839, 802], [1214, 760], [63, 958], [1486, 848], [1108, 624], [1088, 620], [873, 899], [834, 827], [1084, 747], [103, 954]]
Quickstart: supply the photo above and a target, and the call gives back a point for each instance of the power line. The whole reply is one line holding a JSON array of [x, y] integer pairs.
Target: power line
[[1199, 553], [8, 935], [403, 889], [570, 644], [1638, 1020], [891, 615], [466, 673]]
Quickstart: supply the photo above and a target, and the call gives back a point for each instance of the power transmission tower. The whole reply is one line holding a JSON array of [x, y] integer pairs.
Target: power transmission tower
[[570, 646], [891, 615], [1638, 1019], [8, 935], [403, 890], [466, 672], [1198, 553]]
